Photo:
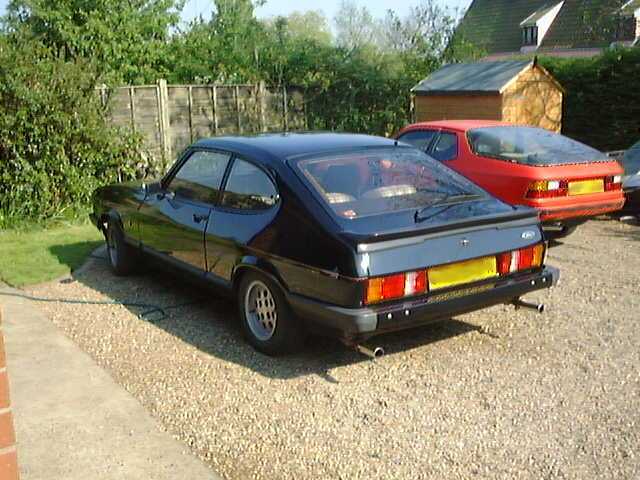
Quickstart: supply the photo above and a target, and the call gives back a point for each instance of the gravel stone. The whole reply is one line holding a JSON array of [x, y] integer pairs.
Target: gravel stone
[[498, 393]]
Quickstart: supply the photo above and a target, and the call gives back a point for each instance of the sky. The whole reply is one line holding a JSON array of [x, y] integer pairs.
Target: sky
[[283, 7], [378, 8]]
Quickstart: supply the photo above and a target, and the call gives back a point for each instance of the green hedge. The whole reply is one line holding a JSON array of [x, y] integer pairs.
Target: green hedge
[[602, 102], [55, 146]]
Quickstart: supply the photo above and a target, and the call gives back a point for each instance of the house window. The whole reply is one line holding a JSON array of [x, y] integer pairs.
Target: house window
[[530, 35]]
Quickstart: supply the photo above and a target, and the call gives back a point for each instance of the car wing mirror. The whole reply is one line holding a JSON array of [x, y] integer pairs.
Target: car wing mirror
[[151, 188]]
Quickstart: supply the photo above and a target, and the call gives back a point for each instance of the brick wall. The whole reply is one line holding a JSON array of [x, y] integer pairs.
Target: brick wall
[[8, 456]]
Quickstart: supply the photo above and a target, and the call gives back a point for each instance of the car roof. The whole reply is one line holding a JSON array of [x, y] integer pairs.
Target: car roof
[[460, 125], [287, 145]]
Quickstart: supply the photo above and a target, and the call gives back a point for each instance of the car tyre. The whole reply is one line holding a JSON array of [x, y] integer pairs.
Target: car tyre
[[123, 258], [265, 317]]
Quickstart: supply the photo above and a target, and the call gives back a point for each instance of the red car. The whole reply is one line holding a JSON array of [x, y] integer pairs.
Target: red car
[[565, 180]]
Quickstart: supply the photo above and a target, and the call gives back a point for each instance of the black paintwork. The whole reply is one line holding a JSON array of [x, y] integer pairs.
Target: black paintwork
[[316, 257]]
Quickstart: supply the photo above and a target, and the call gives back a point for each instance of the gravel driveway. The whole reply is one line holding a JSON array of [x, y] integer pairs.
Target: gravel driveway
[[495, 394]]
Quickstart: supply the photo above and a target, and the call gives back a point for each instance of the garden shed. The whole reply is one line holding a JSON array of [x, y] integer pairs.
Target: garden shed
[[520, 92]]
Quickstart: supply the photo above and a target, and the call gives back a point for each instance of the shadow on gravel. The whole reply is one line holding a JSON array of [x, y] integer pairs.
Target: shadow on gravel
[[198, 317], [633, 235]]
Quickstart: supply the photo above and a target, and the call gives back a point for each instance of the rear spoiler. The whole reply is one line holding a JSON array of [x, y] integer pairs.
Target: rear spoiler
[[521, 216]]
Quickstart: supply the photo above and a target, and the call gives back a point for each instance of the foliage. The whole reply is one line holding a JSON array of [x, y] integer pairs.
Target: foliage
[[127, 40], [55, 146], [36, 255], [602, 20], [602, 98]]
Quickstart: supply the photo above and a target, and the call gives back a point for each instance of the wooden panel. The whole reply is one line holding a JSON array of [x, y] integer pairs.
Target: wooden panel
[[533, 99], [458, 107], [179, 121], [296, 110], [171, 117]]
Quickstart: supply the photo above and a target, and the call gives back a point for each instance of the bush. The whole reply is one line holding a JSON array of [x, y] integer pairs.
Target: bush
[[55, 146], [602, 97]]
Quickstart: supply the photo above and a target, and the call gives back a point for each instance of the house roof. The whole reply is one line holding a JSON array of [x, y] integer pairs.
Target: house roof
[[494, 25], [470, 78], [538, 14]]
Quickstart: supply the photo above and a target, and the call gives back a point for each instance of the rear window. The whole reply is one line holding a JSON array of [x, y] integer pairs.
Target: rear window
[[531, 146], [376, 181]]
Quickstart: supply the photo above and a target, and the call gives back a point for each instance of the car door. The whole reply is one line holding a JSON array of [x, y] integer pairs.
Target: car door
[[174, 219], [242, 222]]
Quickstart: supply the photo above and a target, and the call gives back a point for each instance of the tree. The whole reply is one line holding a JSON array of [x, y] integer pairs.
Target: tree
[[126, 39], [355, 26], [56, 147], [425, 30], [310, 26], [603, 21]]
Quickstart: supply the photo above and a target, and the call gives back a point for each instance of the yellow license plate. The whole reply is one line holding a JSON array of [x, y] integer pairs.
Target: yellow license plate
[[462, 272], [586, 186]]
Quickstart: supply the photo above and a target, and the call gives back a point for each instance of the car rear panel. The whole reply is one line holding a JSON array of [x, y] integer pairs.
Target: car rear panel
[[579, 201], [445, 247]]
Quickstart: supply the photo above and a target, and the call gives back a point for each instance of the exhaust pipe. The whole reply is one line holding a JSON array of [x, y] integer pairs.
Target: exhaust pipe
[[519, 303], [377, 352]]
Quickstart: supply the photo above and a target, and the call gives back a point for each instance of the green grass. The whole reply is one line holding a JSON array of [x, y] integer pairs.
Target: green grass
[[38, 254]]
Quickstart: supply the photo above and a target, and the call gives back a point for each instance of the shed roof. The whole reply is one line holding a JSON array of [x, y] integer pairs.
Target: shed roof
[[471, 78]]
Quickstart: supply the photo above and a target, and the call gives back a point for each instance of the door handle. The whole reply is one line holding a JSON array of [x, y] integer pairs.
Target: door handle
[[200, 218]]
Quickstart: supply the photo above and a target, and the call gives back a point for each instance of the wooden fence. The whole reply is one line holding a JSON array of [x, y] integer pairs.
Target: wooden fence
[[171, 117]]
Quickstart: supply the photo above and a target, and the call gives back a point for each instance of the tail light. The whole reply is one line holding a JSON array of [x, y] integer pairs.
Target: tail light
[[392, 287], [548, 189], [613, 183], [410, 284], [518, 260]]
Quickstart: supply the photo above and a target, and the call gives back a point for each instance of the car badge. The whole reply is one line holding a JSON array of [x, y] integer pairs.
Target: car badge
[[465, 242], [528, 235]]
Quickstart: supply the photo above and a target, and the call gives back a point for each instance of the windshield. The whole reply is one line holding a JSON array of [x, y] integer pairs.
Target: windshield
[[369, 182], [631, 160], [530, 146]]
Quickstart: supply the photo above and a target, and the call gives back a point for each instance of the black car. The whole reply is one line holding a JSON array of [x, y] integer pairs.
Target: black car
[[349, 235]]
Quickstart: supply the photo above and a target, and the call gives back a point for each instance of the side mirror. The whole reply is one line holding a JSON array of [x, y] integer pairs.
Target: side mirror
[[151, 188]]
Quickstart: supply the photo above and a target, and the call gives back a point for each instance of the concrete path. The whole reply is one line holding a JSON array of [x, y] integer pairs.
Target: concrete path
[[72, 420]]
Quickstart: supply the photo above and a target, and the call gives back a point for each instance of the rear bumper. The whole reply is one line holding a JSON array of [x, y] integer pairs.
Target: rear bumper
[[354, 324], [591, 209]]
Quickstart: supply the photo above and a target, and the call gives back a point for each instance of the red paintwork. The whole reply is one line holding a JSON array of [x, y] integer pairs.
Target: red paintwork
[[510, 181]]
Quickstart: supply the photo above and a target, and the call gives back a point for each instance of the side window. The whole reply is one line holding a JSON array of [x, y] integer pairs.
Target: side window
[[200, 176], [249, 188], [419, 138], [446, 147]]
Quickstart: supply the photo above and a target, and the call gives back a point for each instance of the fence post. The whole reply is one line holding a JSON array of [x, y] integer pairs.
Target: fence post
[[261, 105], [237, 95], [214, 103], [103, 95], [190, 93], [285, 108], [132, 106], [163, 115]]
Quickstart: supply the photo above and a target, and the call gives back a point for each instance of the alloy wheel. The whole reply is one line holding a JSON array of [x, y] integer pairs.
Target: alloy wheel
[[260, 310]]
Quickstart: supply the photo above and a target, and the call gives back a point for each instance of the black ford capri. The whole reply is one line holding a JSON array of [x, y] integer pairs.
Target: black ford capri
[[347, 235]]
